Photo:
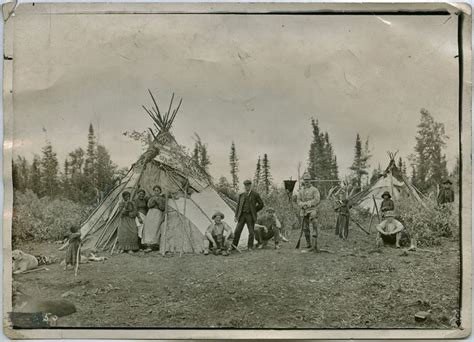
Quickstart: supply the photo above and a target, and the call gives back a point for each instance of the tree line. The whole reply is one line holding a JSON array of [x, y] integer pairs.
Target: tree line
[[86, 176], [428, 162]]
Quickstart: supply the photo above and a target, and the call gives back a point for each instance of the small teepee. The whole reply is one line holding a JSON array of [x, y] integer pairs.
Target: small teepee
[[392, 180], [191, 201]]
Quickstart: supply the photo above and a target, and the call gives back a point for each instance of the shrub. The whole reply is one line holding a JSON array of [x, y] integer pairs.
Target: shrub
[[431, 223], [43, 219], [287, 210]]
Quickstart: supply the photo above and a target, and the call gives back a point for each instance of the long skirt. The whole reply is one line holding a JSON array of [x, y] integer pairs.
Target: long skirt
[[127, 234], [71, 253], [342, 226], [140, 225], [151, 227]]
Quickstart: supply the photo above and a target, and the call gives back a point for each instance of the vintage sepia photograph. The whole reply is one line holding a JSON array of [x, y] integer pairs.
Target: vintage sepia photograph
[[219, 168]]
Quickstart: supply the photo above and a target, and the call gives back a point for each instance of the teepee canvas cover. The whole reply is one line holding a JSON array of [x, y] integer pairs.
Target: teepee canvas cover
[[393, 181], [191, 202]]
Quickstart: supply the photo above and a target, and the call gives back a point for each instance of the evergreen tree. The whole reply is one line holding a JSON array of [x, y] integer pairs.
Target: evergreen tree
[[91, 155], [200, 155], [258, 173], [322, 162], [266, 177], [234, 167], [20, 174], [224, 186], [195, 155], [359, 165], [49, 171], [400, 164], [105, 170], [334, 169], [315, 151], [428, 160], [205, 161], [35, 176]]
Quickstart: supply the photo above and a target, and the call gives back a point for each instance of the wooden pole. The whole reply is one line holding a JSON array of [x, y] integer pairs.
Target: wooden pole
[[165, 228], [371, 218], [184, 226], [113, 247], [358, 225], [376, 208], [78, 259]]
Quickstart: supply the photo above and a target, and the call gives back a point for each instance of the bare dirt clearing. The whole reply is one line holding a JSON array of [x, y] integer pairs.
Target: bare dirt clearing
[[353, 288]]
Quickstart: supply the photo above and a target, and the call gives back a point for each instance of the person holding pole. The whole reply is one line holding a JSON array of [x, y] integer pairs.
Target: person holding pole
[[308, 199]]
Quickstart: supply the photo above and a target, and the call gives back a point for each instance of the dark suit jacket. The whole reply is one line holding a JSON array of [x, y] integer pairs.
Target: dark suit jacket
[[256, 204]]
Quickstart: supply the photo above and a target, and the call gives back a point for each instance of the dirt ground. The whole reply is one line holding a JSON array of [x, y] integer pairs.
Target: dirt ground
[[353, 288]]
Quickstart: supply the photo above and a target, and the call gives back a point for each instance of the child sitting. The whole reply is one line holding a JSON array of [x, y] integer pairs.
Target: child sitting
[[219, 234]]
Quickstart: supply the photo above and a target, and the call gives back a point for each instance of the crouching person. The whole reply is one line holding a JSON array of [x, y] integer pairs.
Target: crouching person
[[391, 231], [268, 227], [218, 236]]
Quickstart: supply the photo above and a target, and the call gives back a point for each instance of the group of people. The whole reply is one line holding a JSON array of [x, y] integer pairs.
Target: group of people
[[141, 220]]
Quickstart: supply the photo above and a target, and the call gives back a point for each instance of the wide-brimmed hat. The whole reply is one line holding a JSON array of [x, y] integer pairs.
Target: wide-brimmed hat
[[306, 176], [386, 193], [218, 213], [247, 182], [447, 181], [389, 214]]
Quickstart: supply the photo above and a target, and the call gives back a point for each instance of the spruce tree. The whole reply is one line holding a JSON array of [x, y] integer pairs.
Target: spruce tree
[[258, 172], [428, 160], [359, 164], [49, 171], [34, 182], [204, 161], [91, 155], [20, 174], [234, 167], [105, 170], [266, 178]]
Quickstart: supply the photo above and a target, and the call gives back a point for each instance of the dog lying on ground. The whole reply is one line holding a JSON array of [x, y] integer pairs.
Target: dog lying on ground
[[23, 262]]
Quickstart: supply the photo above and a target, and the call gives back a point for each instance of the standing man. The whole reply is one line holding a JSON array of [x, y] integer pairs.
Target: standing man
[[308, 199], [446, 194], [249, 205]]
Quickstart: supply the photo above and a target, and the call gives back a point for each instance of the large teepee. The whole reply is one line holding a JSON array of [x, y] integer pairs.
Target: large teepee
[[392, 180], [192, 196]]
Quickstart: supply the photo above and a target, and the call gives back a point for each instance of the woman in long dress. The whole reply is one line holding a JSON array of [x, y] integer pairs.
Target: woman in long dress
[[151, 228], [141, 203], [127, 231]]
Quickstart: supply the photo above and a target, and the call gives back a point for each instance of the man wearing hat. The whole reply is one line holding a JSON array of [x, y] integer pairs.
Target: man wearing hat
[[308, 199], [389, 231], [219, 235], [248, 206], [267, 227], [387, 203], [446, 194]]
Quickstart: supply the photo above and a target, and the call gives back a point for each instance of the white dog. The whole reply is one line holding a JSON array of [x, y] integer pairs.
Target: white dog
[[23, 262]]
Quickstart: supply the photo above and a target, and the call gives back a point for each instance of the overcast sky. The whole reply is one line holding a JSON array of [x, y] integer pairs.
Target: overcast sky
[[256, 80]]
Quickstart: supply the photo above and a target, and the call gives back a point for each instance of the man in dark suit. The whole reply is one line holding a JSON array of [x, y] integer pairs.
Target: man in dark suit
[[249, 205]]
